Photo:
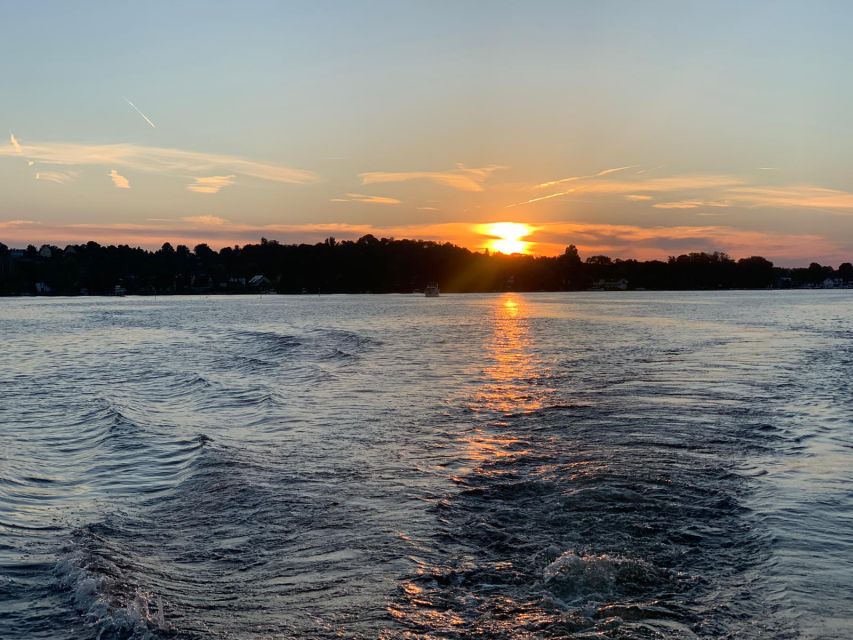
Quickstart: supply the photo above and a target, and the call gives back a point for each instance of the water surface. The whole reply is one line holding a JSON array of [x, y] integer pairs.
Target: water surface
[[619, 465]]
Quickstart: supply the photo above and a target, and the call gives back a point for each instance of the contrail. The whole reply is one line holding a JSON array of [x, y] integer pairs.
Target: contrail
[[600, 174], [15, 144], [147, 119]]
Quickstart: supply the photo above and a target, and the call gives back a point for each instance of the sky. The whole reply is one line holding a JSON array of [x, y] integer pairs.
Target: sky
[[631, 129]]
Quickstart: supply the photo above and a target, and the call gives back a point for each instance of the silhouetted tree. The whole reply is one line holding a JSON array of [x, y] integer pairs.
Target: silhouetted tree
[[372, 264]]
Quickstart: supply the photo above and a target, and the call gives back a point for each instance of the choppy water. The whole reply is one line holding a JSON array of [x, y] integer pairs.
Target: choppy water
[[618, 465]]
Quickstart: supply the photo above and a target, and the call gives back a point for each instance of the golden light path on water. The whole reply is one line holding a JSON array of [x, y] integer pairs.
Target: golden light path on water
[[510, 368], [509, 374]]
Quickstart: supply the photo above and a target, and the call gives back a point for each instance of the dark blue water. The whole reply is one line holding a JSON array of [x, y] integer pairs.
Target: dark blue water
[[609, 465]]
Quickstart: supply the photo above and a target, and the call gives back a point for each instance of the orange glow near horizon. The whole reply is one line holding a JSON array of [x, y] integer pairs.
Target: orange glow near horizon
[[506, 237]]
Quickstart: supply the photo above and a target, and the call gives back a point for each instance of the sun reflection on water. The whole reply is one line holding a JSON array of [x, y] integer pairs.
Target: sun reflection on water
[[513, 381], [511, 371]]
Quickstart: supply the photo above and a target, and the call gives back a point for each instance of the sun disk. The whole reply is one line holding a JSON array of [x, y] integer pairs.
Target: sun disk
[[506, 237]]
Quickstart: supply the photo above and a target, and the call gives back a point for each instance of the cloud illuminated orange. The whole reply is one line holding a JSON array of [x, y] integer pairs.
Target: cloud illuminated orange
[[463, 178], [119, 180], [625, 241], [210, 184]]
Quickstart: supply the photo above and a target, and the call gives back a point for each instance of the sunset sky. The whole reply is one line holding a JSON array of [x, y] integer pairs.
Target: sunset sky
[[633, 129]]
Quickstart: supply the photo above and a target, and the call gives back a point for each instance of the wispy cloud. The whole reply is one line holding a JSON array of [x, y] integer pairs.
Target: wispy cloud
[[214, 221], [119, 180], [690, 204], [540, 198], [696, 191], [638, 189], [14, 224], [14, 142], [159, 160], [600, 174], [211, 184], [462, 178], [59, 177], [802, 196], [640, 172], [668, 184], [360, 197], [147, 119]]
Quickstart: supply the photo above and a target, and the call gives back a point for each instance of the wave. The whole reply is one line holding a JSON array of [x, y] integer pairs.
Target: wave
[[98, 578], [315, 343], [601, 577]]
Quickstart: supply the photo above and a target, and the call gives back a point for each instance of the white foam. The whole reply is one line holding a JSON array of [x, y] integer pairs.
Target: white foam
[[95, 597], [596, 574]]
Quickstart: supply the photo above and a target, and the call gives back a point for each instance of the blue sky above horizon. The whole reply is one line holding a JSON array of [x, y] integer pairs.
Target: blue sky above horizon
[[632, 129]]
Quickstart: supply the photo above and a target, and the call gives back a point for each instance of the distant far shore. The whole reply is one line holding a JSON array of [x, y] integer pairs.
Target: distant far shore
[[255, 294], [373, 265], [275, 294]]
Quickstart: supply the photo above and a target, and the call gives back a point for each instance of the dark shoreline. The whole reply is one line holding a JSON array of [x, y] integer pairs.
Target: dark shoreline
[[381, 265], [188, 294]]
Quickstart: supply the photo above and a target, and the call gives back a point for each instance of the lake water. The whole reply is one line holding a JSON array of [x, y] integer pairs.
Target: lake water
[[617, 465]]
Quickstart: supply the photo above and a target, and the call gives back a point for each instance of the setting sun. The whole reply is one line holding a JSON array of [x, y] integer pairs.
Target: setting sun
[[506, 237]]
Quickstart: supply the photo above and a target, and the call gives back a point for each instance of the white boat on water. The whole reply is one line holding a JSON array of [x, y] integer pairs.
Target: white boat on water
[[431, 290]]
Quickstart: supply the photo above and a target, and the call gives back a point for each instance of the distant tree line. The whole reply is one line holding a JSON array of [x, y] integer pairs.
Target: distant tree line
[[374, 265]]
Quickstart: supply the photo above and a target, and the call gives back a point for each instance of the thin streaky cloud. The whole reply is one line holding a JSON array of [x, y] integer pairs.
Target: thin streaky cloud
[[642, 171], [9, 224], [635, 187], [600, 174], [462, 179], [690, 204], [717, 191], [59, 177], [119, 180], [607, 172], [710, 191], [799, 196], [160, 160], [146, 118], [540, 198], [670, 184], [208, 221], [360, 197]]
